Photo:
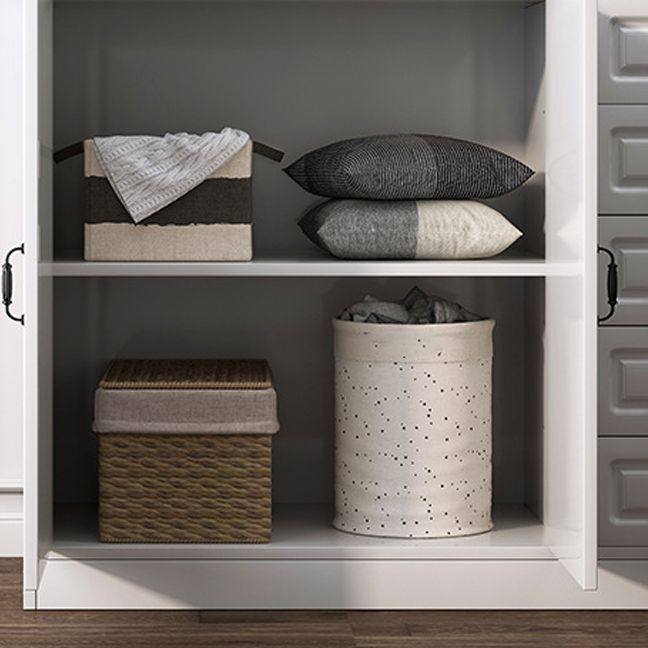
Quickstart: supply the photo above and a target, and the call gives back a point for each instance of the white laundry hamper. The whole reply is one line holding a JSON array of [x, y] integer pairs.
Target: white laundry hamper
[[413, 428]]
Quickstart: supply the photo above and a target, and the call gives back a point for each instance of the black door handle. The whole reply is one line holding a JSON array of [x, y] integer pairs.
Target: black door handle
[[612, 284], [7, 284]]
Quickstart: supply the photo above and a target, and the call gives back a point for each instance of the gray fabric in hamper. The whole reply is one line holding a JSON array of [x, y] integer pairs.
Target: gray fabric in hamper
[[212, 222], [413, 429]]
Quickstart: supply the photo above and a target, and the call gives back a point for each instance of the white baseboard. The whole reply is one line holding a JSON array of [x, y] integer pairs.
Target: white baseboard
[[11, 537], [29, 599], [11, 519]]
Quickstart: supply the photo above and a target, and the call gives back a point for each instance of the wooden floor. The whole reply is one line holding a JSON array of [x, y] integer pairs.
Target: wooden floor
[[309, 629]]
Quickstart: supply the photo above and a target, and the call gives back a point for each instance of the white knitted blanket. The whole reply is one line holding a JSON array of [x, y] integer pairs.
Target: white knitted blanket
[[148, 173]]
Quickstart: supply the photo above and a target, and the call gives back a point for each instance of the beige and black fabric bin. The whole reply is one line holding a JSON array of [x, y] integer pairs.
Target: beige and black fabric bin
[[185, 451], [413, 428], [212, 222]]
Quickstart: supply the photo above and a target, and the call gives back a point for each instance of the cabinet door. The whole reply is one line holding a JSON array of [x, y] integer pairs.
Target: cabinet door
[[627, 238], [623, 159], [37, 180], [569, 502], [623, 382], [623, 492], [11, 235], [623, 51]]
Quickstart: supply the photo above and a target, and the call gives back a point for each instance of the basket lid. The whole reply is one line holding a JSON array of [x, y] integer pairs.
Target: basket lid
[[187, 374]]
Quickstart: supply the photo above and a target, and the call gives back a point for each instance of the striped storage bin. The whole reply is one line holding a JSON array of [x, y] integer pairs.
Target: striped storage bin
[[213, 222], [185, 451]]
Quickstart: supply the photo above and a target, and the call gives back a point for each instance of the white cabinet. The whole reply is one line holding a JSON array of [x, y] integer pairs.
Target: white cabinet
[[301, 74]]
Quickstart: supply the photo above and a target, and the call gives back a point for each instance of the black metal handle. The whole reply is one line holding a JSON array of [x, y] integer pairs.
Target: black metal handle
[[612, 284], [7, 284]]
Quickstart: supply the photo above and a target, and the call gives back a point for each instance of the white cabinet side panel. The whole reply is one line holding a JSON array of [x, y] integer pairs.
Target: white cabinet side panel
[[570, 339], [37, 178]]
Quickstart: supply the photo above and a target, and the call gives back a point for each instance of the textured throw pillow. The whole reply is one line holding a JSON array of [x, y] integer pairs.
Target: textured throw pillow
[[425, 229], [408, 167]]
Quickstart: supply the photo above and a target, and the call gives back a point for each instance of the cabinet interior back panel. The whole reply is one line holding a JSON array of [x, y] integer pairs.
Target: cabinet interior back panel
[[297, 76], [287, 321]]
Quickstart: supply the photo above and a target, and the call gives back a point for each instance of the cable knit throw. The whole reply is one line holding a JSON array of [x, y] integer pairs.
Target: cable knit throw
[[148, 173]]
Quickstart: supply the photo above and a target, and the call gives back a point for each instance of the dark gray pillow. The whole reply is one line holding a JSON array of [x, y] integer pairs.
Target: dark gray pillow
[[408, 167], [408, 229]]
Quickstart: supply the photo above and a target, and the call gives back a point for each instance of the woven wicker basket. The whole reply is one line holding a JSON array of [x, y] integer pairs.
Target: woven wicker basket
[[169, 471]]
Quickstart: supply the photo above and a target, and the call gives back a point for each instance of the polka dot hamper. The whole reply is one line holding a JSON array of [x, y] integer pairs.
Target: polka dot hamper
[[413, 428]]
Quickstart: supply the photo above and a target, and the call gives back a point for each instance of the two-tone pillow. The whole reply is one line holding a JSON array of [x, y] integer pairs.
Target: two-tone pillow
[[408, 167], [427, 229]]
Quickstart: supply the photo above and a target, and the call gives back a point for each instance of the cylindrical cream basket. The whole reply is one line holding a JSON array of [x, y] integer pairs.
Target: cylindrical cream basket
[[413, 428]]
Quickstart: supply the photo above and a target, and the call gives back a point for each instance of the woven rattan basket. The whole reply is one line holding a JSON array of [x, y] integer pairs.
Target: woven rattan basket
[[185, 451]]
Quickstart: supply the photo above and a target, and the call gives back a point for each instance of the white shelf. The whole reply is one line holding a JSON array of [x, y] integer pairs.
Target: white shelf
[[304, 532], [314, 266], [522, 3]]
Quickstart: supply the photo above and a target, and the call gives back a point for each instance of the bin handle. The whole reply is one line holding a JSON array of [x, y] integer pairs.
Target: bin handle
[[270, 152], [612, 284]]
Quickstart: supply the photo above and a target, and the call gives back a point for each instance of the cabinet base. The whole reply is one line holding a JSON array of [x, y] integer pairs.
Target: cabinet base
[[335, 584]]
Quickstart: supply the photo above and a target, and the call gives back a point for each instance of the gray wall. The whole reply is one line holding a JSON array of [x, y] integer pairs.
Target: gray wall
[[295, 75], [284, 320]]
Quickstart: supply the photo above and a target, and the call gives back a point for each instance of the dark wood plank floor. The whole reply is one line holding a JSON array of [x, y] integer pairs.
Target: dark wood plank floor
[[415, 629]]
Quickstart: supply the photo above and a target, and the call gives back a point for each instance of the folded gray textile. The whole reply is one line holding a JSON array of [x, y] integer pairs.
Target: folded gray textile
[[416, 307]]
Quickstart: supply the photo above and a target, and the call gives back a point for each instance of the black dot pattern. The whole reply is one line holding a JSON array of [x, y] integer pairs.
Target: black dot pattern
[[413, 446]]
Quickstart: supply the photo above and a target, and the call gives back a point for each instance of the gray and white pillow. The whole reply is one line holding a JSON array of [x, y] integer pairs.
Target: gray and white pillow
[[408, 167], [424, 229]]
